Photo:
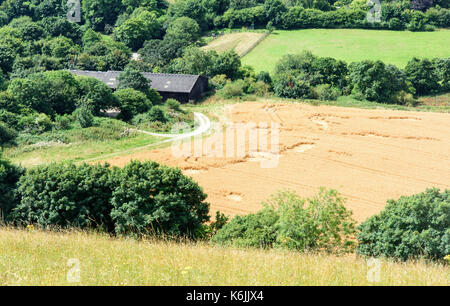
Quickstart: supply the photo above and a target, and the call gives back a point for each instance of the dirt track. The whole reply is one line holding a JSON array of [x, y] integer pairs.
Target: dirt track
[[370, 156]]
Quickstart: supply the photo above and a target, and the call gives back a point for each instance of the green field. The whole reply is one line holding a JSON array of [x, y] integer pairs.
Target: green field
[[394, 47]]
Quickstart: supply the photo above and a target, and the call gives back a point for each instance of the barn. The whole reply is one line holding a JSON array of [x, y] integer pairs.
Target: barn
[[182, 87]]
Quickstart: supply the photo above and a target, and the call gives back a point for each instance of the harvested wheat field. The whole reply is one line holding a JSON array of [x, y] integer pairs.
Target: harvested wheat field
[[241, 43], [369, 156]]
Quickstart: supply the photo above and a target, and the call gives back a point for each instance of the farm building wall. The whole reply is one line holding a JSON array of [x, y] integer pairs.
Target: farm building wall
[[179, 96], [199, 89]]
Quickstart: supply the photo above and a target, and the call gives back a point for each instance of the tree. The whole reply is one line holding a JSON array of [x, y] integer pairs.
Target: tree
[[423, 75], [9, 176], [65, 195], [150, 199], [132, 78], [409, 227], [131, 103], [274, 10], [374, 81], [60, 26], [49, 92], [7, 134], [192, 9], [99, 13], [90, 37], [289, 221], [135, 31], [183, 29], [61, 47], [97, 94], [83, 115]]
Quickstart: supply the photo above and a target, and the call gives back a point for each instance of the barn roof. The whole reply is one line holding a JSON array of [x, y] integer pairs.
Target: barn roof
[[161, 82]]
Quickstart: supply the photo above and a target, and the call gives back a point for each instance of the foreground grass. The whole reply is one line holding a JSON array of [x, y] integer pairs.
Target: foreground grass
[[42, 258], [393, 47]]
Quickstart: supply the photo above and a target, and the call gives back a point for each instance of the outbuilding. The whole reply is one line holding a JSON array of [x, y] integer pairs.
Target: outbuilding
[[182, 87]]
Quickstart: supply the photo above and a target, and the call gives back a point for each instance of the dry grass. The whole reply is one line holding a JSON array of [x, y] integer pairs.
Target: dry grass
[[41, 258], [241, 43]]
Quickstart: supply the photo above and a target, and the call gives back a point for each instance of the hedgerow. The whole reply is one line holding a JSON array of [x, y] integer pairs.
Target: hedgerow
[[410, 227]]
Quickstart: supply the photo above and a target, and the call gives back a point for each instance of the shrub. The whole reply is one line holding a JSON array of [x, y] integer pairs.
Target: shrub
[[325, 92], [83, 116], [9, 176], [375, 81], [291, 222], [423, 75], [286, 85], [153, 199], [7, 134], [97, 94], [131, 103], [35, 123], [62, 122], [232, 90], [173, 105], [156, 113], [318, 223], [264, 77], [258, 88], [254, 230], [410, 227], [219, 81], [65, 195]]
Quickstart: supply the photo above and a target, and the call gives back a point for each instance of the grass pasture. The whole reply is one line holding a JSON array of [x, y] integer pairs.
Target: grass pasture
[[393, 47], [42, 258]]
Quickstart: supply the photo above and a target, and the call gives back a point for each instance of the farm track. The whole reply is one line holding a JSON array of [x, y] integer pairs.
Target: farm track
[[370, 156]]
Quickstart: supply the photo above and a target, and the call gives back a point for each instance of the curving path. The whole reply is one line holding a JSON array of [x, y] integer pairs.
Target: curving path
[[204, 125]]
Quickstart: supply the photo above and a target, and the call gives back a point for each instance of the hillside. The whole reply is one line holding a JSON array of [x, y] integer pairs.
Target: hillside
[[39, 258], [392, 47]]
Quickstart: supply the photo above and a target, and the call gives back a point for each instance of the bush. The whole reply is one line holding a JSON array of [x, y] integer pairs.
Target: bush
[[156, 113], [131, 103], [232, 90], [410, 227], [9, 176], [375, 81], [259, 88], [83, 116], [291, 222], [153, 199], [62, 122], [254, 230], [286, 85], [65, 195], [219, 81], [173, 105], [423, 75], [35, 123], [6, 133], [325, 92]]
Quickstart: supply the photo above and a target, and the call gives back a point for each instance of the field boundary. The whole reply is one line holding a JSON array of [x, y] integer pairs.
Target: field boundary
[[255, 44]]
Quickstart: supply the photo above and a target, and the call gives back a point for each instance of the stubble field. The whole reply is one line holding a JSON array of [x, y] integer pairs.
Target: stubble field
[[370, 156]]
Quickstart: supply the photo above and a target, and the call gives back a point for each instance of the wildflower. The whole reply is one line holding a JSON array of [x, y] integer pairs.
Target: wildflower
[[447, 258]]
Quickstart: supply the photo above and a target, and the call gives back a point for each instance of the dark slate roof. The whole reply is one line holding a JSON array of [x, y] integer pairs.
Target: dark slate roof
[[161, 82]]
